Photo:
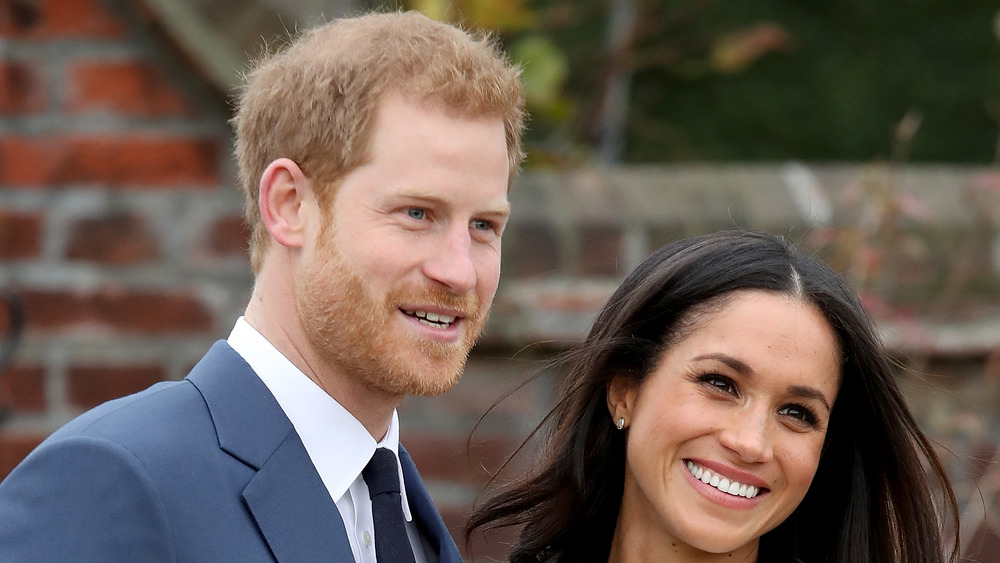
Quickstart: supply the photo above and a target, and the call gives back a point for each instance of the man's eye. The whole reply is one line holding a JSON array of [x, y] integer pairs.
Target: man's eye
[[482, 225], [416, 213]]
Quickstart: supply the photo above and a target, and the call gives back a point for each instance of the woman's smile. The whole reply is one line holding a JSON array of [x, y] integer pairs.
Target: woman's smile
[[724, 484], [725, 433]]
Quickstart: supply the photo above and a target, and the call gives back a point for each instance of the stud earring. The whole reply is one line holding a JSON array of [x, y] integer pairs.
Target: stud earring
[[621, 423]]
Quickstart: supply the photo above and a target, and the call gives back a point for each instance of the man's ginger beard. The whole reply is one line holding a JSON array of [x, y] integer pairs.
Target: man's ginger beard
[[353, 330]]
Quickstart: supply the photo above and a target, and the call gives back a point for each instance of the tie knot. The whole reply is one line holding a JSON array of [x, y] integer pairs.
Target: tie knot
[[381, 474]]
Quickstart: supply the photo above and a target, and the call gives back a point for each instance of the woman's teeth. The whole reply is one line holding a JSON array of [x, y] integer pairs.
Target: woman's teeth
[[723, 484]]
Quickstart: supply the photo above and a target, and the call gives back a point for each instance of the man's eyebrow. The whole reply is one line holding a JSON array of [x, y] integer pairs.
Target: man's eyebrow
[[500, 208], [503, 209], [802, 391]]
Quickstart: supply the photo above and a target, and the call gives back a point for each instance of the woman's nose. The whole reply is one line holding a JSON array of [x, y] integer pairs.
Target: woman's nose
[[747, 434]]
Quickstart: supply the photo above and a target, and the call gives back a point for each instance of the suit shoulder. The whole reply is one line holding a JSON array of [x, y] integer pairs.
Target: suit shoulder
[[162, 411]]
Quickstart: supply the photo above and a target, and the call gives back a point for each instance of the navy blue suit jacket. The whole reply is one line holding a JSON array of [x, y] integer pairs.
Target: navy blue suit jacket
[[207, 470]]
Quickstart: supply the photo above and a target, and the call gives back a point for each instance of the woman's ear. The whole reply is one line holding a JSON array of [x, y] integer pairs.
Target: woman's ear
[[284, 193], [622, 393]]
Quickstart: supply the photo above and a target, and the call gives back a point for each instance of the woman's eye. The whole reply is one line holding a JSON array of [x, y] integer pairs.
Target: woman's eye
[[720, 383], [416, 213], [799, 413]]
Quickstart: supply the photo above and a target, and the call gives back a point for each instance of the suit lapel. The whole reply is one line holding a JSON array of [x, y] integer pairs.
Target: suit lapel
[[293, 508], [286, 496], [425, 513]]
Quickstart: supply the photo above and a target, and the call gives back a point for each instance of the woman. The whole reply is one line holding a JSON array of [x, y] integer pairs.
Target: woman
[[732, 402]]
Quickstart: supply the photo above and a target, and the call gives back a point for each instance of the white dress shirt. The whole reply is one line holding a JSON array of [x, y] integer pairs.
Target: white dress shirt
[[337, 443]]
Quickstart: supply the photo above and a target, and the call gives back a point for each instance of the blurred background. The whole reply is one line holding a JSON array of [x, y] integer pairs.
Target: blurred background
[[867, 132]]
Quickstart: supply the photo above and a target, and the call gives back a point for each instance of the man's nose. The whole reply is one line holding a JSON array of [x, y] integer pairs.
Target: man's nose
[[451, 263]]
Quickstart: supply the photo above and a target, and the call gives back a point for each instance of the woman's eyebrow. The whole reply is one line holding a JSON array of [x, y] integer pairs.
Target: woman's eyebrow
[[806, 392], [741, 367], [733, 362]]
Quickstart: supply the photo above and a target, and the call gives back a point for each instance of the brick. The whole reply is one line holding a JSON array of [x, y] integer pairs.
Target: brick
[[450, 458], [92, 385], [985, 543], [530, 250], [153, 312], [134, 88], [602, 248], [110, 161], [8, 300], [20, 235], [14, 448], [50, 309], [118, 310], [116, 239], [48, 19], [22, 90], [487, 377], [660, 235], [22, 388], [228, 236]]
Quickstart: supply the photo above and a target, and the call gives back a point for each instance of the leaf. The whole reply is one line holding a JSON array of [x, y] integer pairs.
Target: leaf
[[545, 69], [736, 51], [435, 9], [500, 15]]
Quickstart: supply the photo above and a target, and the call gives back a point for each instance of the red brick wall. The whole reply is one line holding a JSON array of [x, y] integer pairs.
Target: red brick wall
[[121, 230], [119, 223]]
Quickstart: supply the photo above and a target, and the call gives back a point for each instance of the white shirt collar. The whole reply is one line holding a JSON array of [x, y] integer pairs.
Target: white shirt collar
[[337, 443]]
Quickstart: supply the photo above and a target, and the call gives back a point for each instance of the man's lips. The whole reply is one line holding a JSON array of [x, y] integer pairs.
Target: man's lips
[[431, 318]]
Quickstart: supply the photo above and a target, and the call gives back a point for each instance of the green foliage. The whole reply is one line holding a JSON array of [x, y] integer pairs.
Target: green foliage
[[854, 70], [765, 80], [544, 71]]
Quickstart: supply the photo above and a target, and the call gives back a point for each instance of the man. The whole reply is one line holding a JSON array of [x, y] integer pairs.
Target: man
[[376, 154]]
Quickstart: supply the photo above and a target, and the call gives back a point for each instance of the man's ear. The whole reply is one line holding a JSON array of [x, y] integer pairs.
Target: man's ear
[[284, 194], [622, 393]]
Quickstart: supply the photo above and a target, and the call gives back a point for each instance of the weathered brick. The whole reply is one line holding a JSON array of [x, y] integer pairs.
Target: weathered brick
[[133, 161], [14, 448], [602, 245], [531, 249], [229, 236], [115, 239], [128, 87], [48, 310], [451, 457], [117, 310], [659, 235], [22, 388], [20, 235], [90, 386], [985, 542], [46, 19], [153, 312], [10, 303], [485, 380], [22, 90]]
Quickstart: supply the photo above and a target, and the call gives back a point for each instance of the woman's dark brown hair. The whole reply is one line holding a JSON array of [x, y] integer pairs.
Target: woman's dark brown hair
[[880, 494]]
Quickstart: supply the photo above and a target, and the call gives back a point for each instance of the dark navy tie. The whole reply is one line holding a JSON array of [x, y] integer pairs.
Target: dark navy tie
[[382, 477]]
